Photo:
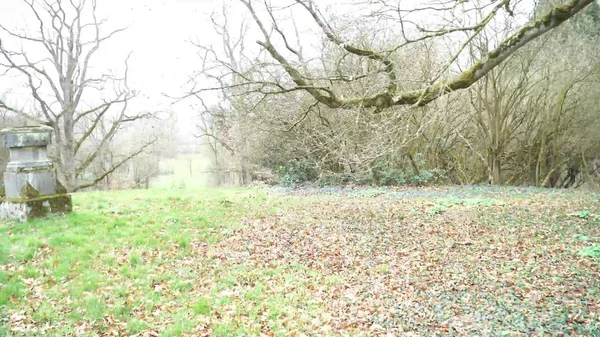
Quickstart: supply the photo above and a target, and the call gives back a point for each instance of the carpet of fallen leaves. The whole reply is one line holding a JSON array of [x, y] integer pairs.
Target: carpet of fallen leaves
[[436, 266], [325, 262]]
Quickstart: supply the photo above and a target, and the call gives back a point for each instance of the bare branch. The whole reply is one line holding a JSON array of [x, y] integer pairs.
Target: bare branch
[[116, 166], [427, 94]]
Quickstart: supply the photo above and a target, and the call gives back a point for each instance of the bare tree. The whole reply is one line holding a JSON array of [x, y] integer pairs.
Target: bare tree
[[528, 116], [306, 105], [69, 34], [266, 80], [215, 121]]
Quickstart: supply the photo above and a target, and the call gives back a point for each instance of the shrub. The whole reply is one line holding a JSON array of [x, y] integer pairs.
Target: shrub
[[296, 171]]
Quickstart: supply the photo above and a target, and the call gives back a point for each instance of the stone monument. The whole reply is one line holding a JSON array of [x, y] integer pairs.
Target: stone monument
[[30, 186]]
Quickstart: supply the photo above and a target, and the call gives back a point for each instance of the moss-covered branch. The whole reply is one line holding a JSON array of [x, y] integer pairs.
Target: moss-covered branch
[[389, 97]]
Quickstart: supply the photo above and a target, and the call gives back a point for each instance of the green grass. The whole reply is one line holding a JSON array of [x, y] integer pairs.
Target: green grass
[[11, 290], [238, 262], [117, 255], [202, 306], [591, 252]]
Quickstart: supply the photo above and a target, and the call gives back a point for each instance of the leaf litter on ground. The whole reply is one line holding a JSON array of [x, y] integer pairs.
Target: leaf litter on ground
[[348, 262]]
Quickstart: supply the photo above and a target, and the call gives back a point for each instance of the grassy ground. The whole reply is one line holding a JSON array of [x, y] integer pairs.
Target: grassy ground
[[241, 262]]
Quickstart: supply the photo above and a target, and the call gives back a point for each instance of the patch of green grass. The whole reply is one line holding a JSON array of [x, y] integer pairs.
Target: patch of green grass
[[68, 239], [62, 270], [581, 214], [135, 260], [45, 312], [213, 240], [223, 301], [255, 293], [12, 289], [593, 251], [202, 306], [95, 308], [183, 242], [224, 329], [581, 237], [181, 325], [122, 311], [332, 280], [91, 280], [29, 272], [275, 309], [183, 286], [383, 269], [121, 291], [135, 326], [444, 204], [4, 253], [437, 209]]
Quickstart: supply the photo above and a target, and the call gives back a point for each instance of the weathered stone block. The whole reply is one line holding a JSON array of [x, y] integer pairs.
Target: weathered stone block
[[31, 187], [24, 159], [43, 181], [25, 209], [26, 136]]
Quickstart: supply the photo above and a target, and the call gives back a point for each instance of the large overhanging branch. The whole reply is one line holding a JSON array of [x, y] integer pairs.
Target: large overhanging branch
[[373, 55], [423, 96], [506, 48]]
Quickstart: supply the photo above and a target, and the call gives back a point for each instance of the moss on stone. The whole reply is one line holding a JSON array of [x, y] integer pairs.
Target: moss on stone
[[60, 188], [43, 205], [61, 203], [29, 192], [47, 167], [39, 198], [36, 209]]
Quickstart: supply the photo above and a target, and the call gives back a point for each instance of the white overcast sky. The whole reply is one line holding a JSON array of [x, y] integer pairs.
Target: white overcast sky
[[158, 37]]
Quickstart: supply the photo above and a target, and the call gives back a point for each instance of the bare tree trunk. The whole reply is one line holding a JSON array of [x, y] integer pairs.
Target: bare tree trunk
[[495, 168], [69, 154]]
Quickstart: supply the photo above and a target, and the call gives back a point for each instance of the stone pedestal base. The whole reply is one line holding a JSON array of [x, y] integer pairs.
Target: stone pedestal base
[[44, 182], [25, 209]]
